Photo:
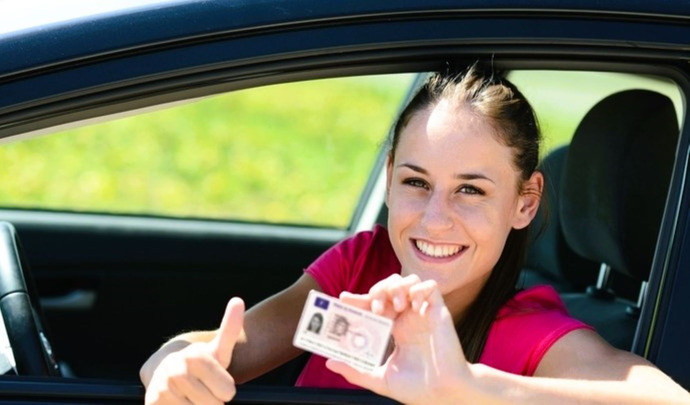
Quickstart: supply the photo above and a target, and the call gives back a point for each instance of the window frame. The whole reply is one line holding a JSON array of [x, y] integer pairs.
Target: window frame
[[643, 40]]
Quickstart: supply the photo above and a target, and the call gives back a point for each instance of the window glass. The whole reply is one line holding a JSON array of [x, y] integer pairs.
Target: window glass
[[292, 153], [562, 98]]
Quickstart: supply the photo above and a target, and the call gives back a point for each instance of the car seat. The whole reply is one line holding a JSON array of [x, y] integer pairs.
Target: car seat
[[549, 259], [615, 184]]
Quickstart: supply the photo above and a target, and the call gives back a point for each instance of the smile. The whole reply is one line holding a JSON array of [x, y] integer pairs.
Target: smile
[[432, 250]]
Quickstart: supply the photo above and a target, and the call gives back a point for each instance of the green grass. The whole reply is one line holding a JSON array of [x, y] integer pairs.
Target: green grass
[[292, 153]]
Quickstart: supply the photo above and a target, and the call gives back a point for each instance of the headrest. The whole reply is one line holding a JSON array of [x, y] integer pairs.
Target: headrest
[[543, 255], [616, 179], [549, 255]]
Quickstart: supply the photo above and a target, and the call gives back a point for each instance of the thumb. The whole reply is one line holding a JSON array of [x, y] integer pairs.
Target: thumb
[[229, 332]]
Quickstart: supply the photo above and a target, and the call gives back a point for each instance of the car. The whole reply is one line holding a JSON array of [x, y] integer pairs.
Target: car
[[138, 196]]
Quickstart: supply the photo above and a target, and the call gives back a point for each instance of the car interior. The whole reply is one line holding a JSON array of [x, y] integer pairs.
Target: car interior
[[114, 286], [607, 176]]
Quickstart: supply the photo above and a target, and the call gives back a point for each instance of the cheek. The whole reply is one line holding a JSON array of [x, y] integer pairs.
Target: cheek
[[485, 224], [476, 218], [403, 208]]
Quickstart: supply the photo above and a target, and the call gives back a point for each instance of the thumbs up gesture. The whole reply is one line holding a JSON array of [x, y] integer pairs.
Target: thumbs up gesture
[[198, 373]]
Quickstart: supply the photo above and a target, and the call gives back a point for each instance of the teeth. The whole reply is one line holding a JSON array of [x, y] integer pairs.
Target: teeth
[[437, 250]]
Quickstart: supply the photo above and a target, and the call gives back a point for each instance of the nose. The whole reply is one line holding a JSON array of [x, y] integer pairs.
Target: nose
[[437, 215]]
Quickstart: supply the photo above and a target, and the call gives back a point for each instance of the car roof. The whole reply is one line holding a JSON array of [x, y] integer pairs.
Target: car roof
[[153, 52], [95, 30]]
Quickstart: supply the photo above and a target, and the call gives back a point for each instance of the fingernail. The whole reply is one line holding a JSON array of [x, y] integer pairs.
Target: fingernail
[[397, 303], [377, 306], [415, 305]]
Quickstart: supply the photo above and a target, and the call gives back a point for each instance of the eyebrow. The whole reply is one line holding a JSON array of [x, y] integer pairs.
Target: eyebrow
[[461, 176]]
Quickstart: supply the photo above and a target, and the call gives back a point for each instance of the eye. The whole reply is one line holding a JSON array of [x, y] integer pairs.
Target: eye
[[468, 189], [416, 182]]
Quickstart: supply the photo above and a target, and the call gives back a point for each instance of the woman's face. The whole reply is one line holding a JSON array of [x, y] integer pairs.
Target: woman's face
[[453, 198], [315, 323]]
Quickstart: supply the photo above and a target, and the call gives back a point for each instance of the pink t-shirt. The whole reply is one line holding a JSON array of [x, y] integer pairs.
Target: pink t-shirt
[[524, 329]]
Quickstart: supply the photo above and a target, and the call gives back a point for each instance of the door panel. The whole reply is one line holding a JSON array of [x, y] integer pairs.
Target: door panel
[[141, 285]]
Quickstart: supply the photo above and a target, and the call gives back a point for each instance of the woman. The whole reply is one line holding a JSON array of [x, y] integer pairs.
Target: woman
[[462, 189]]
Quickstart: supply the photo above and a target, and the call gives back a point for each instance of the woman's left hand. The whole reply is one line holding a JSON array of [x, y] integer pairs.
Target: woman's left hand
[[427, 359]]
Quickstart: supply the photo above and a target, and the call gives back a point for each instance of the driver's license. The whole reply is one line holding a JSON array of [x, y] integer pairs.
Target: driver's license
[[331, 328]]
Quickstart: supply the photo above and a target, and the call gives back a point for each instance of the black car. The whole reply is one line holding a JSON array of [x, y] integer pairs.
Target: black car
[[138, 193]]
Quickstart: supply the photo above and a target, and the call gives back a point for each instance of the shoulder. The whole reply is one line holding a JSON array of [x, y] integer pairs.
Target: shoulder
[[377, 236], [538, 300], [362, 244], [373, 259], [356, 263], [525, 328]]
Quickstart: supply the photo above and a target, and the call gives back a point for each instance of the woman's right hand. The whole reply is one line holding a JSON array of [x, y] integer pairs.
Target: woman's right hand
[[427, 361], [198, 373]]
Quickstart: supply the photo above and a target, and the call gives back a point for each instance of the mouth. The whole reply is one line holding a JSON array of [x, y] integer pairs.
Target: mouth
[[438, 251]]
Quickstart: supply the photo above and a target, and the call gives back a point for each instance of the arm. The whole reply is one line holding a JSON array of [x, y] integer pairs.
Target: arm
[[428, 365], [582, 368], [194, 364], [269, 327]]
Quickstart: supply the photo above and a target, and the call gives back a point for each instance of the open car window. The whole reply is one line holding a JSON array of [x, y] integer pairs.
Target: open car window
[[562, 98], [297, 153]]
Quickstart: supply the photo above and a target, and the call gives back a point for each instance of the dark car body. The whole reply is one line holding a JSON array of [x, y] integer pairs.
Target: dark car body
[[119, 61]]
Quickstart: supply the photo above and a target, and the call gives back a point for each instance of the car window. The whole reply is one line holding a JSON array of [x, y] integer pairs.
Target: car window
[[562, 98], [297, 153]]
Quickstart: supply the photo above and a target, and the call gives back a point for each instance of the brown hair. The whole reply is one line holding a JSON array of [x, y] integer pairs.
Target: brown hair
[[492, 97]]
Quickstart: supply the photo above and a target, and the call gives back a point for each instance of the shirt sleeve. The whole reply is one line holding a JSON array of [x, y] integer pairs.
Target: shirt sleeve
[[334, 269], [526, 328], [355, 264], [566, 325]]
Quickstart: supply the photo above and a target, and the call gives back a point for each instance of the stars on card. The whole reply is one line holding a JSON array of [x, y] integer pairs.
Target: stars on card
[[321, 302]]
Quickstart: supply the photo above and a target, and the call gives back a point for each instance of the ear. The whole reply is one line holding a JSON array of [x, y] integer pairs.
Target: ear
[[529, 200], [389, 177]]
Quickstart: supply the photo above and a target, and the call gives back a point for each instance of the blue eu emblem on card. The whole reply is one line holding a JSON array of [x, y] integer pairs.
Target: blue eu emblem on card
[[321, 303]]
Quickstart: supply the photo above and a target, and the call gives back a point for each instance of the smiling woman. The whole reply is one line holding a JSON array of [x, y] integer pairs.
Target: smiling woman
[[462, 189]]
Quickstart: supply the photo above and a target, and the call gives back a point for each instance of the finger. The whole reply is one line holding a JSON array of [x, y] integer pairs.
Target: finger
[[380, 301], [391, 294], [216, 379], [428, 301], [168, 397], [425, 294], [228, 333], [174, 395], [398, 291], [195, 391], [362, 301]]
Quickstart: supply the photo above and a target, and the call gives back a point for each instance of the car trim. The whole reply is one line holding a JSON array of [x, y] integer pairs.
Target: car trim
[[181, 226], [301, 14]]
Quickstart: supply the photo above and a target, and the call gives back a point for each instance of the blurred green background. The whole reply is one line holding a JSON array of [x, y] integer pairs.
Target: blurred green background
[[293, 153]]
